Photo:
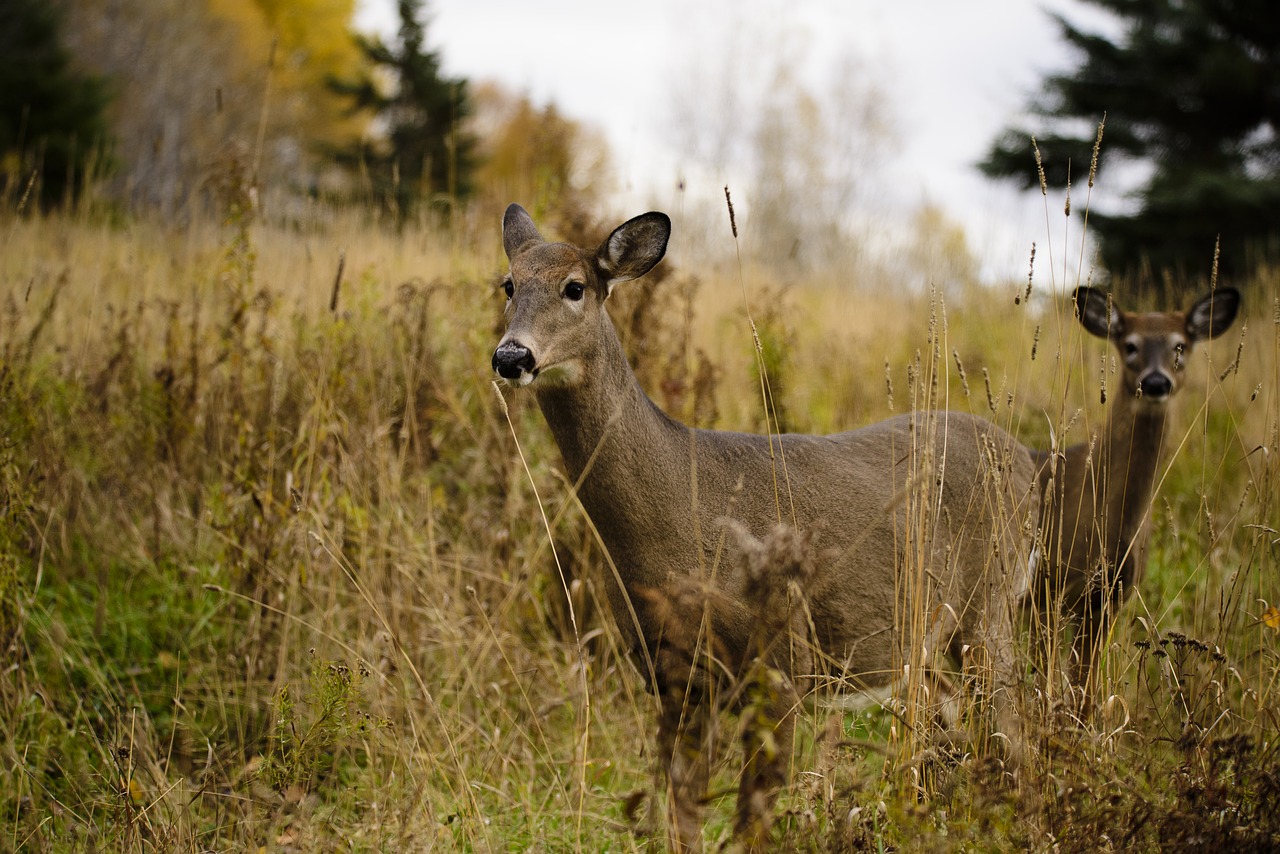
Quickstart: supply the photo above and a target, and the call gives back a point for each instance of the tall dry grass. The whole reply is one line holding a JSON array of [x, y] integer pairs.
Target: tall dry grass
[[278, 576]]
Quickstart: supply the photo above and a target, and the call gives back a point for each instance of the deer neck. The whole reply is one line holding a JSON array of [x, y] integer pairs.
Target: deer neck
[[1134, 438], [629, 463], [605, 425]]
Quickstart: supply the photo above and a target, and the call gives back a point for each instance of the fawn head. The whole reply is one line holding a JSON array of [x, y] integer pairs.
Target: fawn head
[[1154, 346], [556, 293]]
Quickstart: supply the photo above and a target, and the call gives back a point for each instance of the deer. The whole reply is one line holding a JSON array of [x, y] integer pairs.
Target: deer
[[663, 498], [1097, 495]]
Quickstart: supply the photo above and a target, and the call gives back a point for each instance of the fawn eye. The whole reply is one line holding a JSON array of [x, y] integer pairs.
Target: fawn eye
[[574, 291], [1130, 348], [508, 288]]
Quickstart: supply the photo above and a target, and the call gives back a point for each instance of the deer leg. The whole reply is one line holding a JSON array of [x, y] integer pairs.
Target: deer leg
[[1091, 636], [1005, 682], [682, 741], [768, 730], [1046, 614], [990, 667]]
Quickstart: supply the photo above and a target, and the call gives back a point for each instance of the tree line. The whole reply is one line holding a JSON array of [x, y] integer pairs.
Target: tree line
[[1188, 95], [154, 104], [145, 100]]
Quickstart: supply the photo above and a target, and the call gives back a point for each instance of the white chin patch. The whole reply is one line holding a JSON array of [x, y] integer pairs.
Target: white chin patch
[[565, 373], [525, 378]]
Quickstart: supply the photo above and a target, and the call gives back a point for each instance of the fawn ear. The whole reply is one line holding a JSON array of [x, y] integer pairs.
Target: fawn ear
[[1212, 314], [517, 230], [1097, 313], [634, 248]]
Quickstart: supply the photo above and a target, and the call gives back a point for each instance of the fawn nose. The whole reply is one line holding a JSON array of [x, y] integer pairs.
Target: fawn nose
[[1156, 386], [511, 360]]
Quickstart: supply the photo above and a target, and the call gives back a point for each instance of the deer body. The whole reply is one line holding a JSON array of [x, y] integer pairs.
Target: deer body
[[1097, 495], [648, 468], [661, 494]]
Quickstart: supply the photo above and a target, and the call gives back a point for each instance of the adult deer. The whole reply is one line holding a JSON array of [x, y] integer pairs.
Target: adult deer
[[661, 495], [1097, 495]]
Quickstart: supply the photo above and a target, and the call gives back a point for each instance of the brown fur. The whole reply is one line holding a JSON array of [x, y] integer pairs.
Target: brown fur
[[659, 492]]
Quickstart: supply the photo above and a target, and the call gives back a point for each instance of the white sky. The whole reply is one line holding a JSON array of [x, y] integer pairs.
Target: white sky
[[956, 73]]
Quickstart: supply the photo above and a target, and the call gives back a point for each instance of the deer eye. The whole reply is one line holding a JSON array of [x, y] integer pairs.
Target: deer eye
[[508, 287], [1130, 348], [574, 291]]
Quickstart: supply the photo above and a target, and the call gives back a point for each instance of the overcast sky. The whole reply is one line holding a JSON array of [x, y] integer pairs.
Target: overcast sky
[[955, 74]]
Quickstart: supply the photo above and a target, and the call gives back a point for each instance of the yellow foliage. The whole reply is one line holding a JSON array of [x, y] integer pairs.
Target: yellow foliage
[[196, 80], [535, 155], [305, 42], [1271, 617]]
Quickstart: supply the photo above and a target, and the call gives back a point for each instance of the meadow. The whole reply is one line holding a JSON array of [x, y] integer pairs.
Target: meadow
[[280, 571]]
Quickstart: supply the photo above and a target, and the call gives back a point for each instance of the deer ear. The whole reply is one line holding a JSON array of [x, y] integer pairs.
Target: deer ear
[[517, 230], [634, 248], [1097, 313], [1212, 314]]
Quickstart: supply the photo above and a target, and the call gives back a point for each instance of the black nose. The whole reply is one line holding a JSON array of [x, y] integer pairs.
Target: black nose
[[1156, 385], [511, 360]]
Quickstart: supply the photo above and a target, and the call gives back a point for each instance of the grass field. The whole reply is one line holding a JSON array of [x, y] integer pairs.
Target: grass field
[[274, 572]]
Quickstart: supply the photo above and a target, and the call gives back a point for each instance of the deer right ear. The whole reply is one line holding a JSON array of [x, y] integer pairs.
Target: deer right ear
[[1212, 314], [517, 230], [1097, 313], [634, 248]]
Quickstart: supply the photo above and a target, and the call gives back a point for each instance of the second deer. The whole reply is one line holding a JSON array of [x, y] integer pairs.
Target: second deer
[[1097, 495]]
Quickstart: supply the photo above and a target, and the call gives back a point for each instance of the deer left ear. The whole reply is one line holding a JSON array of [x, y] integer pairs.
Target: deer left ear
[[1212, 314], [634, 248], [517, 230]]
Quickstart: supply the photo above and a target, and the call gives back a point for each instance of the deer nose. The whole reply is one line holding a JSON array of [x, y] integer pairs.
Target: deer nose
[[511, 360], [1156, 385]]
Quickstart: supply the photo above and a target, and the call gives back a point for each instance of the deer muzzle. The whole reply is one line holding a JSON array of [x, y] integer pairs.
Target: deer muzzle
[[514, 361], [1155, 385]]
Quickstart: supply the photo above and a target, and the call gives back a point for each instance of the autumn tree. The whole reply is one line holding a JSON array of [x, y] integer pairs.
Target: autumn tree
[[425, 152], [314, 45], [206, 82], [553, 165], [51, 115], [1191, 92], [813, 150], [800, 149]]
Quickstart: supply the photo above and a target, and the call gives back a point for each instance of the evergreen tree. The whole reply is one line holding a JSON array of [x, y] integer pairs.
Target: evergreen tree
[[426, 153], [51, 116], [1191, 88]]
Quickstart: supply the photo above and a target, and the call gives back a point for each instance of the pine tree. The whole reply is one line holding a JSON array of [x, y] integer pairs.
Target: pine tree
[[426, 153], [1191, 88], [51, 116]]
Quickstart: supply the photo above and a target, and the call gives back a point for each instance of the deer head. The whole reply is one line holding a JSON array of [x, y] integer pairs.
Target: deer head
[[1154, 346], [556, 293]]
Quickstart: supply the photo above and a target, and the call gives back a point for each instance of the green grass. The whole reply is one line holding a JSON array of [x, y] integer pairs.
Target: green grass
[[276, 578]]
